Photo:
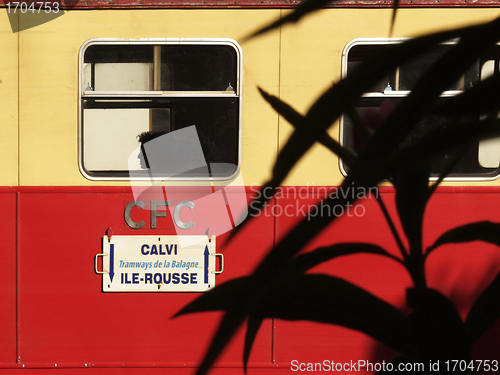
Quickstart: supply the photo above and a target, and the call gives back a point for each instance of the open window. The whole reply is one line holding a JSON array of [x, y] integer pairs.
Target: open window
[[481, 162], [128, 87]]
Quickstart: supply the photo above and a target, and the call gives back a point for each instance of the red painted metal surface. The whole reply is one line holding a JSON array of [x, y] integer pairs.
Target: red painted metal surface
[[156, 370], [460, 272], [67, 319], [250, 190], [8, 280], [64, 318], [148, 4]]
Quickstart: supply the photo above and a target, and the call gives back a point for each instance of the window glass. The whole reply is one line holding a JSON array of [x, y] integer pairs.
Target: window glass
[[128, 89], [405, 76], [481, 161], [199, 68]]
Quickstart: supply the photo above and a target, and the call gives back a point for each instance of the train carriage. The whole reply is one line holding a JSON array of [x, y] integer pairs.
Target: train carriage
[[79, 85]]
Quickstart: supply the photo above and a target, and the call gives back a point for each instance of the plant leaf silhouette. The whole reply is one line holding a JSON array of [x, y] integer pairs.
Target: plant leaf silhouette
[[486, 231], [483, 98], [342, 96], [296, 120], [437, 326], [328, 299], [411, 198], [485, 312], [303, 9], [315, 257], [393, 21], [252, 329], [380, 159], [298, 13]]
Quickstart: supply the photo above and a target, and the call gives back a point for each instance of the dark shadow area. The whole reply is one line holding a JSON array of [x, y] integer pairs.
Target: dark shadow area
[[35, 12]]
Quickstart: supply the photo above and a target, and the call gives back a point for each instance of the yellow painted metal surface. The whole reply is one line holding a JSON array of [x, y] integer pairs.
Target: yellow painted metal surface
[[49, 83], [311, 55], [8, 102], [297, 63]]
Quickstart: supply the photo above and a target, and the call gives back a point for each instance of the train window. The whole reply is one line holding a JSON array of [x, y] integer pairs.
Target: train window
[[481, 162], [129, 87]]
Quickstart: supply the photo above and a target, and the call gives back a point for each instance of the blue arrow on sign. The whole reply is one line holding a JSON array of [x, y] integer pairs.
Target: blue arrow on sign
[[206, 265], [111, 261]]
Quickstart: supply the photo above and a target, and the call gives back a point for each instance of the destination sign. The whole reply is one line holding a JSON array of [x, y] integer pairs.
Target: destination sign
[[158, 264]]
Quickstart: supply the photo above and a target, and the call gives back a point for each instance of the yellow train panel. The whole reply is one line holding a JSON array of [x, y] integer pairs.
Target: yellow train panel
[[311, 61], [49, 83], [297, 63]]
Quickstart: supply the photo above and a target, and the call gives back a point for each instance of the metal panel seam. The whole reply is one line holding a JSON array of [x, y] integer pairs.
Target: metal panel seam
[[275, 219], [135, 365], [18, 182], [18, 277]]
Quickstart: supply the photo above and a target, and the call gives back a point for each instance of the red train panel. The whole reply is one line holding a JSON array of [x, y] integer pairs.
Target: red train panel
[[65, 320]]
